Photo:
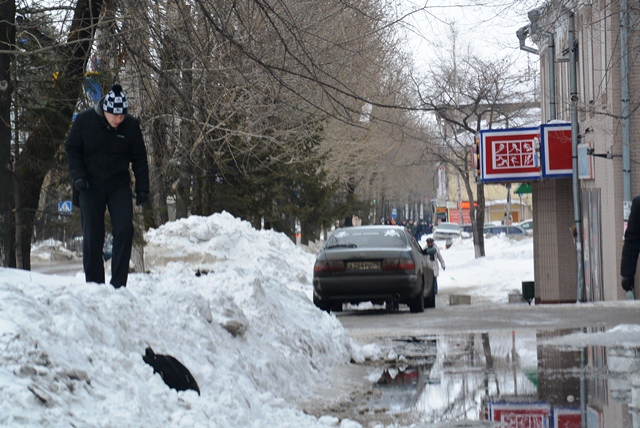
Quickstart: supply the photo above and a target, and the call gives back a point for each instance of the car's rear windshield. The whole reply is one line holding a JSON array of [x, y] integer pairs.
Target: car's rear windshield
[[355, 237], [448, 226]]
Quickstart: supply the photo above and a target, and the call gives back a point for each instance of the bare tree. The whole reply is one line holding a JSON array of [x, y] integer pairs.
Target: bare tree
[[469, 94], [231, 92], [7, 41], [44, 140]]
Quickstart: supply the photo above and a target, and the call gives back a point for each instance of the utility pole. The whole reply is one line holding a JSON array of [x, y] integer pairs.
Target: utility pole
[[575, 130]]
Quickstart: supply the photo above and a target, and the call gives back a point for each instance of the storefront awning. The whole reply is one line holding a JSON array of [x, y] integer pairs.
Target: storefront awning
[[523, 188]]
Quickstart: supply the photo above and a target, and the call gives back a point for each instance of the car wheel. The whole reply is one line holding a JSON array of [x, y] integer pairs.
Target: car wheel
[[336, 307], [416, 305], [320, 304]]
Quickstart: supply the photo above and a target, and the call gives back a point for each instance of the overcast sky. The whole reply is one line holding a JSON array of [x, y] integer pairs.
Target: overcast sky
[[488, 28]]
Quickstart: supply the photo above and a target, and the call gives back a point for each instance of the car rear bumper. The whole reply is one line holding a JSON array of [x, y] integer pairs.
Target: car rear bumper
[[363, 289], [445, 236]]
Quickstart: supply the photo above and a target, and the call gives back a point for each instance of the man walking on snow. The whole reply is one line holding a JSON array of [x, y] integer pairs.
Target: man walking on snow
[[101, 145]]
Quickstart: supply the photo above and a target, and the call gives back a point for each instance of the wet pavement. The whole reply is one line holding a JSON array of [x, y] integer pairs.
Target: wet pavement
[[525, 378]]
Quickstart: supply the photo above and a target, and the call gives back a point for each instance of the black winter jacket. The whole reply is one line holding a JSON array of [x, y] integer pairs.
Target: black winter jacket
[[631, 246], [102, 154]]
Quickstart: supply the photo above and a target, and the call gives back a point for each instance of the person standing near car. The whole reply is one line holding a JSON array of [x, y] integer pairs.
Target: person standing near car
[[435, 260], [103, 142], [631, 249]]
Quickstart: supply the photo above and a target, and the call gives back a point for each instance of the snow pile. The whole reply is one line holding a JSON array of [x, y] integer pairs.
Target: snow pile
[[492, 278], [255, 343], [51, 251]]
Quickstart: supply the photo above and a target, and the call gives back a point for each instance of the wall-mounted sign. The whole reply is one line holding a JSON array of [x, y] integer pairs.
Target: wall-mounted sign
[[555, 150], [585, 162], [509, 155], [526, 154]]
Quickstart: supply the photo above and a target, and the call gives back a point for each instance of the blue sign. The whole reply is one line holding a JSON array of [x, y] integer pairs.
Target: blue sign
[[65, 207], [394, 213]]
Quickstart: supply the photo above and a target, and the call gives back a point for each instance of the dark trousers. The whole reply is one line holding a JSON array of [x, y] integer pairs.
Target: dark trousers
[[92, 208]]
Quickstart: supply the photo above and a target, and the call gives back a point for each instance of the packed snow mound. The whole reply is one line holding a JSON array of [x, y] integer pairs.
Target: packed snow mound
[[246, 330], [222, 242], [51, 250]]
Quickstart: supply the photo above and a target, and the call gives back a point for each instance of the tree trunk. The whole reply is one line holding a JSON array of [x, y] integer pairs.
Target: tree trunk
[[46, 139], [7, 42], [156, 155], [183, 194], [137, 249]]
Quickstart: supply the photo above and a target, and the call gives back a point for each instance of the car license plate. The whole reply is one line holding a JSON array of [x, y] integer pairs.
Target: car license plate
[[363, 265]]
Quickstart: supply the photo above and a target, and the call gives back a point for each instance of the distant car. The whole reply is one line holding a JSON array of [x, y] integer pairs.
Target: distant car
[[514, 231], [466, 231], [377, 264], [446, 231], [527, 225]]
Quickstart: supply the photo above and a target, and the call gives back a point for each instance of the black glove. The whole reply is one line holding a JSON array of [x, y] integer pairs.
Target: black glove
[[81, 184], [142, 198], [627, 283]]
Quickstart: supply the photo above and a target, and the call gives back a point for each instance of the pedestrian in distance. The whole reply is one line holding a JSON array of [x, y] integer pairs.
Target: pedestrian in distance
[[429, 229], [102, 144], [631, 249], [411, 227], [435, 260], [420, 230]]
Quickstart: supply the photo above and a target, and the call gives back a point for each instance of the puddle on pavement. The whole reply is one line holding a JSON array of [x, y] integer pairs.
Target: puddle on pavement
[[517, 379]]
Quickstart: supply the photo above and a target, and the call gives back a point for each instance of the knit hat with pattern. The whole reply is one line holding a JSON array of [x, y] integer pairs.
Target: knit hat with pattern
[[115, 102]]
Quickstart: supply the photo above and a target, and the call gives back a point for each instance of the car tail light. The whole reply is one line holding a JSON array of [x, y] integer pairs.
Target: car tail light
[[322, 266], [405, 262], [336, 266], [390, 264]]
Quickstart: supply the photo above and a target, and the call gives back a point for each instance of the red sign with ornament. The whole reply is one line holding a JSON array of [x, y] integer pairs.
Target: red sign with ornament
[[509, 155], [526, 154]]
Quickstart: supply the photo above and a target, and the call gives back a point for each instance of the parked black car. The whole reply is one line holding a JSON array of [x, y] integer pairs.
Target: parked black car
[[380, 264]]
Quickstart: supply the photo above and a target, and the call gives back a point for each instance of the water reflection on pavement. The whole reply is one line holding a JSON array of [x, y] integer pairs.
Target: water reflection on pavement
[[518, 379]]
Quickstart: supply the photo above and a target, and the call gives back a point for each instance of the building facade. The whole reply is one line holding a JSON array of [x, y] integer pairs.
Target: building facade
[[587, 87]]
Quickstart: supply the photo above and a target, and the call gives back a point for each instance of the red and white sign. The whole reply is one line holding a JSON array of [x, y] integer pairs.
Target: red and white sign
[[454, 216], [556, 150], [509, 155], [525, 154], [518, 415], [567, 418]]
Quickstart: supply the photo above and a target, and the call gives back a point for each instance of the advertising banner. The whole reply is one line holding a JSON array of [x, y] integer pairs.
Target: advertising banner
[[509, 155], [442, 182]]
